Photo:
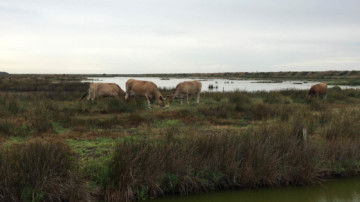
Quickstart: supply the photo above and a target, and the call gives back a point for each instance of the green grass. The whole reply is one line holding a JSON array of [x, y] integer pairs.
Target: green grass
[[168, 123], [13, 140], [93, 148], [58, 128]]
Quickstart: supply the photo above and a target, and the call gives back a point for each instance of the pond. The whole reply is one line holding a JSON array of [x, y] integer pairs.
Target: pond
[[218, 85], [337, 190]]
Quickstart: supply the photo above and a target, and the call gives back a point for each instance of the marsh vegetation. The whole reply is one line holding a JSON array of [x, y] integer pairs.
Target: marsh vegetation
[[55, 148]]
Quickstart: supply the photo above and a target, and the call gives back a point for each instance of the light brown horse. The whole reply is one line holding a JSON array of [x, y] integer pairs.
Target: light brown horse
[[317, 90], [98, 90], [144, 88], [186, 88]]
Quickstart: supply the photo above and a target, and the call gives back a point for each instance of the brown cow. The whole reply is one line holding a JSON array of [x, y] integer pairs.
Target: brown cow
[[317, 90], [97, 90], [145, 88], [186, 88]]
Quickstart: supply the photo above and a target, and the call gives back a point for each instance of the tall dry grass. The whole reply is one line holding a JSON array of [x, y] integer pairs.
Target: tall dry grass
[[180, 161], [266, 156], [39, 170]]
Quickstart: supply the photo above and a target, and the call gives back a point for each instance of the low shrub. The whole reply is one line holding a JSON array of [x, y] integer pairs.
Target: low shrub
[[120, 105], [342, 157], [264, 111], [343, 124], [297, 96], [316, 104], [336, 94], [273, 97], [134, 120], [96, 171], [266, 156], [39, 170], [241, 101], [220, 111]]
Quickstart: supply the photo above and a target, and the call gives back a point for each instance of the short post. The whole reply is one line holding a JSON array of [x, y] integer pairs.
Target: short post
[[304, 135]]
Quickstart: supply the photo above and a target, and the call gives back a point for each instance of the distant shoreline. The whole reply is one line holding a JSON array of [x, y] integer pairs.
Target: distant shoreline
[[331, 77], [280, 74]]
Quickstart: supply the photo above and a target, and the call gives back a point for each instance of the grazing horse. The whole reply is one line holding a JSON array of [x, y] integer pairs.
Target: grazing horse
[[317, 90], [186, 88], [97, 90], [144, 88]]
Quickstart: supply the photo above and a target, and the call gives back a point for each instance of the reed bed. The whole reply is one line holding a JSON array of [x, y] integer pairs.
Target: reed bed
[[265, 156], [40, 170]]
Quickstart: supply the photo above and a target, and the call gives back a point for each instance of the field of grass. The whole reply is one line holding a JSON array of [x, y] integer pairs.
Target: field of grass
[[55, 148]]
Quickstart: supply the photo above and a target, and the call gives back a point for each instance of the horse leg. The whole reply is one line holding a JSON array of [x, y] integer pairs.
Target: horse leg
[[148, 101], [91, 96]]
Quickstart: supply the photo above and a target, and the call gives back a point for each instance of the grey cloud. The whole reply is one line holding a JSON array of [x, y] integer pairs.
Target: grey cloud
[[190, 35]]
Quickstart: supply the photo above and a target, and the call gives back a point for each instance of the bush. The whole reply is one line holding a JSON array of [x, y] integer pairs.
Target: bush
[[39, 170], [96, 171], [134, 120], [128, 180], [297, 96], [9, 128], [336, 93], [273, 97], [344, 124], [220, 111], [40, 121], [342, 157], [241, 101], [318, 105], [119, 105], [266, 156], [266, 111]]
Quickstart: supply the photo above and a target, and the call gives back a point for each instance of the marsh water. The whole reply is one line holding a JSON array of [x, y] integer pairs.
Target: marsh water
[[336, 190], [218, 85]]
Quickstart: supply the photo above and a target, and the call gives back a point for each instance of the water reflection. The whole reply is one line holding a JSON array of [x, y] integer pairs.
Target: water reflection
[[339, 190], [218, 85]]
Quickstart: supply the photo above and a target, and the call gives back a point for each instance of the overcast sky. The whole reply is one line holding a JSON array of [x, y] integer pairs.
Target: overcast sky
[[165, 36]]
